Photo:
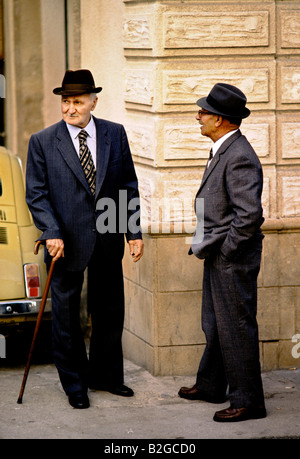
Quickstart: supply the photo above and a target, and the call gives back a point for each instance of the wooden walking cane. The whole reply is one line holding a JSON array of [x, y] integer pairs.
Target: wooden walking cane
[[38, 321]]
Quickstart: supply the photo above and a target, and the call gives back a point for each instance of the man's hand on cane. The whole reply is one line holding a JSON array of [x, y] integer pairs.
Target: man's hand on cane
[[55, 248]]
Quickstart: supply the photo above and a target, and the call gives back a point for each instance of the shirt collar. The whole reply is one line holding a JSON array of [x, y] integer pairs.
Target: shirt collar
[[219, 142], [90, 128]]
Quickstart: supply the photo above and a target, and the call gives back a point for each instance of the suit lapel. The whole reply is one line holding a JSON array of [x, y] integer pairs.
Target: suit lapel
[[68, 152], [216, 157]]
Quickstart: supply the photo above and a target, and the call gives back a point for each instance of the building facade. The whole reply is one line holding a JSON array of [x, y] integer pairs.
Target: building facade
[[154, 59]]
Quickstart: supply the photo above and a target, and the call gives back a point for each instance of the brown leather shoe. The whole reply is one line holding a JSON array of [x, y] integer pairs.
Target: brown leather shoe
[[240, 414], [193, 393]]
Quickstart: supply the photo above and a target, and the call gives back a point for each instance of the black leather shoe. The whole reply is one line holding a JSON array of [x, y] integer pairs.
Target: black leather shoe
[[121, 390], [79, 400], [193, 393], [240, 414]]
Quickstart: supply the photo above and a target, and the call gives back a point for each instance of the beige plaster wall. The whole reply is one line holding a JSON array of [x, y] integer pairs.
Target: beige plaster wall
[[34, 65], [102, 53]]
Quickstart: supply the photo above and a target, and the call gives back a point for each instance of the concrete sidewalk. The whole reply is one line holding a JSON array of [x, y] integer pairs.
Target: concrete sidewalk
[[155, 412]]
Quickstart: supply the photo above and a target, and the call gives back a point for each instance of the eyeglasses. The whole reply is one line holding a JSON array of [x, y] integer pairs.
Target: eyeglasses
[[201, 112]]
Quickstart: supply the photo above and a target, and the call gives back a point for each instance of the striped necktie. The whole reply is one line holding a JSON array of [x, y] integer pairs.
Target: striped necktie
[[86, 160]]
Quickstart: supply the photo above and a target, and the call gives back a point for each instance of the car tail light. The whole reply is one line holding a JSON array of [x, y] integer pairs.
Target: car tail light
[[32, 280]]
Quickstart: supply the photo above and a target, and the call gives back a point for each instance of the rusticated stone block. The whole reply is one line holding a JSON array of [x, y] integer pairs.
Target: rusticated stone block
[[137, 350], [185, 276], [178, 360], [290, 187], [181, 86], [139, 314], [289, 33], [290, 84], [183, 141], [220, 29], [269, 197], [177, 141], [289, 256], [176, 86], [179, 319], [270, 267], [261, 132], [268, 313], [139, 86], [286, 299], [269, 355], [142, 139], [289, 138], [169, 29], [285, 355], [137, 31], [167, 200]]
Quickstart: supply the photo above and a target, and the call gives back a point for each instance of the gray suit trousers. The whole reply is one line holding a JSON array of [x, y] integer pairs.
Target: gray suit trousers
[[229, 307]]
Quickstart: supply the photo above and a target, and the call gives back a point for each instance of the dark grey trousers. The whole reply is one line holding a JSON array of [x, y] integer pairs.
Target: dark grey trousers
[[229, 307], [104, 365]]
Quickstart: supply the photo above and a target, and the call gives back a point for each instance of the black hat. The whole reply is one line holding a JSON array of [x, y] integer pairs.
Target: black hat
[[77, 82], [225, 100]]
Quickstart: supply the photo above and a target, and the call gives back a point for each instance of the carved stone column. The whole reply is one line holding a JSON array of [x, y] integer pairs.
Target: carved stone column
[[175, 52]]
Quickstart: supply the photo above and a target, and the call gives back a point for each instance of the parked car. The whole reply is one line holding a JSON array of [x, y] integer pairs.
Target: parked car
[[22, 273]]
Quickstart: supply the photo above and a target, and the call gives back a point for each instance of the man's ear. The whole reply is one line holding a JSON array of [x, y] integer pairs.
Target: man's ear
[[219, 121], [94, 103]]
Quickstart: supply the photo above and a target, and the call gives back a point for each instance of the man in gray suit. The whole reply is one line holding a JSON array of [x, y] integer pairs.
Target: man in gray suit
[[76, 168], [231, 247]]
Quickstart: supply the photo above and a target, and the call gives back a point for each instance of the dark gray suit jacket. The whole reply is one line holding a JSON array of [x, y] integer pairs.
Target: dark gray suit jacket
[[60, 199], [231, 188]]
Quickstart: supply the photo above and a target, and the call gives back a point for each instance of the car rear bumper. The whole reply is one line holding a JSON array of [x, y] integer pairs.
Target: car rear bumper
[[22, 307]]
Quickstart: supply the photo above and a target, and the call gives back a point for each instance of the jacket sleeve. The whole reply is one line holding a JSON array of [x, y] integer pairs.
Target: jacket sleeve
[[130, 184], [244, 181], [37, 192]]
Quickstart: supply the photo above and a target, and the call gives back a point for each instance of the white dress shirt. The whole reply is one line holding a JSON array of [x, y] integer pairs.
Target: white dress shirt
[[218, 143], [91, 138]]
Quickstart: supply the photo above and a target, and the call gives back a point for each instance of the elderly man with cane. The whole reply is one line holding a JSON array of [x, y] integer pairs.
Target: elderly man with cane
[[73, 165]]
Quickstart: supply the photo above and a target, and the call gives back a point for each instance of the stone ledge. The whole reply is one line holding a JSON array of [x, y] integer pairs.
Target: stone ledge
[[188, 228]]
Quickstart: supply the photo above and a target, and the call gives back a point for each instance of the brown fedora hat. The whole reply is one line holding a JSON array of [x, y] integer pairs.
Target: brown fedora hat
[[77, 82]]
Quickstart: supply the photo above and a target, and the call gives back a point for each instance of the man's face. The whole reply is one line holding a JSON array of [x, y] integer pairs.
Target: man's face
[[207, 123], [76, 110]]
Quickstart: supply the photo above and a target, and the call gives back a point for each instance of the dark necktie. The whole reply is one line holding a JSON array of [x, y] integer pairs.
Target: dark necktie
[[209, 158], [86, 160]]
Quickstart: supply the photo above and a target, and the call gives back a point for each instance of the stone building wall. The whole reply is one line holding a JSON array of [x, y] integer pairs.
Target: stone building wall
[[175, 52]]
